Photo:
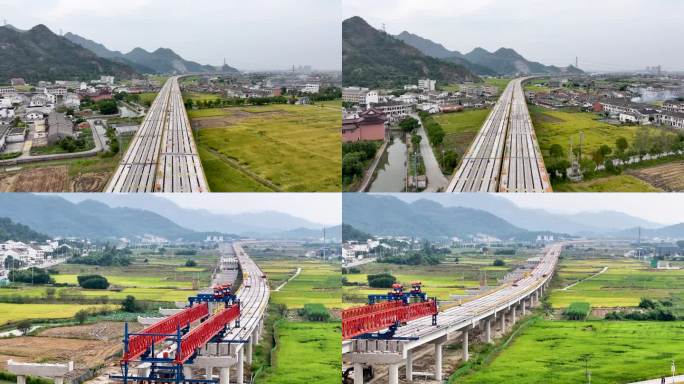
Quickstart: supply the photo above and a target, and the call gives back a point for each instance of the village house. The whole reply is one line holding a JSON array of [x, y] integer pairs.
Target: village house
[[369, 125]]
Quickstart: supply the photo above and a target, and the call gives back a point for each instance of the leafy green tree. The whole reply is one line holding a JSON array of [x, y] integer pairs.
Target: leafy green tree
[[556, 151], [499, 263], [130, 304], [190, 263], [415, 140], [24, 326], [81, 316], [381, 280]]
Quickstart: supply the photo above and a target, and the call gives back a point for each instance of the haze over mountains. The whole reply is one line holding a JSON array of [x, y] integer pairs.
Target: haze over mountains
[[261, 223], [539, 219], [374, 58], [504, 61], [388, 215], [113, 216], [464, 215], [162, 60], [39, 54]]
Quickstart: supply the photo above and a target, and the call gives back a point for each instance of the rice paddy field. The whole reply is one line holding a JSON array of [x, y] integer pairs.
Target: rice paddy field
[[558, 127], [270, 148], [617, 352], [317, 282], [12, 313], [623, 284], [460, 128], [306, 352], [161, 278], [619, 183], [447, 281]]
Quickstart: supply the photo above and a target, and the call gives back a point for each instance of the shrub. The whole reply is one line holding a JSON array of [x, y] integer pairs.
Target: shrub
[[129, 304], [191, 263], [315, 312], [577, 311], [381, 280], [93, 282], [31, 275], [81, 316], [499, 263]]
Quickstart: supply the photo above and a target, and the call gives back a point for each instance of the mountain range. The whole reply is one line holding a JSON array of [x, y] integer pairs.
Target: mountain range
[[248, 223], [373, 58], [38, 54], [603, 222], [502, 62], [162, 60], [388, 215]]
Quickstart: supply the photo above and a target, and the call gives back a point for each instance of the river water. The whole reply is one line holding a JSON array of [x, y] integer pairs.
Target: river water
[[391, 172]]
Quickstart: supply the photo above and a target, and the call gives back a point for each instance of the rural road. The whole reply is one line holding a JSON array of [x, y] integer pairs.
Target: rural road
[[288, 280], [668, 380], [436, 179], [590, 277]]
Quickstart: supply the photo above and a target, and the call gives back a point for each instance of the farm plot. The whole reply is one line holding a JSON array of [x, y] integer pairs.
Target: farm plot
[[278, 147]]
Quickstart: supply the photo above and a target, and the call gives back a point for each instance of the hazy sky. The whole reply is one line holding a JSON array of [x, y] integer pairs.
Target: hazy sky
[[321, 208], [665, 208], [662, 208], [607, 35], [253, 34]]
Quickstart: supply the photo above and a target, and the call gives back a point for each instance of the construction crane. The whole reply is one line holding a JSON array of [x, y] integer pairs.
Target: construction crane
[[388, 311]]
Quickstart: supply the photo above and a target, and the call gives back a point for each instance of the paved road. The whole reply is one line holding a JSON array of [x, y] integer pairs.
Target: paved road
[[668, 380], [162, 156], [505, 155], [436, 179]]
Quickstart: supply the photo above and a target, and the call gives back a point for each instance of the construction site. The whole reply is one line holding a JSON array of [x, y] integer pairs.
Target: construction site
[[209, 338]]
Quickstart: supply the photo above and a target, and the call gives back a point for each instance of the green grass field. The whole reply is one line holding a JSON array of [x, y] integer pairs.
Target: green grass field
[[147, 97], [501, 83], [440, 281], [623, 285], [618, 352], [307, 352], [317, 283], [461, 128], [161, 278], [620, 183], [296, 148], [10, 313], [200, 96], [556, 127]]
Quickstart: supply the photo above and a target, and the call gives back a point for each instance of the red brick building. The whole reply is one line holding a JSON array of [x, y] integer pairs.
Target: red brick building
[[370, 125]]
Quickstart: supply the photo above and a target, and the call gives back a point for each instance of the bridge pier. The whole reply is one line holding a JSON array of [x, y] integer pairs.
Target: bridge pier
[[438, 361], [466, 353], [503, 322], [488, 331], [358, 373], [240, 366], [513, 316], [409, 365], [523, 310], [248, 352], [224, 375], [394, 373]]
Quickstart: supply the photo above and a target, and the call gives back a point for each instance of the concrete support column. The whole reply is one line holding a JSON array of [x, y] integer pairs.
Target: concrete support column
[[224, 375], [488, 331], [438, 362], [466, 353], [240, 366], [209, 372], [248, 353], [409, 365], [358, 373], [523, 308], [21, 379], [59, 380], [503, 322], [187, 372], [394, 374], [513, 316]]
